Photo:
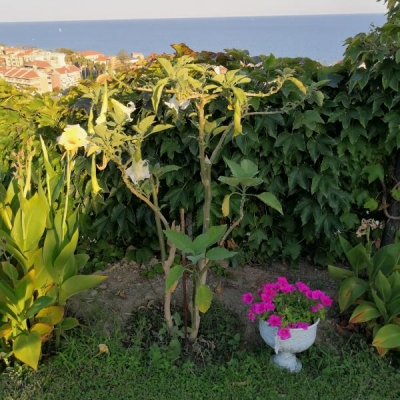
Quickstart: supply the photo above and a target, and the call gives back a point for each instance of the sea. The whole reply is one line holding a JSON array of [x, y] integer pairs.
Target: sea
[[319, 37]]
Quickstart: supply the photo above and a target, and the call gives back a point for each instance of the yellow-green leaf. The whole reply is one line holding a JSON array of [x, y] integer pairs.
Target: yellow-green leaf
[[364, 312], [388, 337], [299, 85], [43, 329], [203, 298], [51, 315], [225, 205], [27, 348]]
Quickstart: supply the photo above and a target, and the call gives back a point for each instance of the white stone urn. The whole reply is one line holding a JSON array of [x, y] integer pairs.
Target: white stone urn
[[300, 340]]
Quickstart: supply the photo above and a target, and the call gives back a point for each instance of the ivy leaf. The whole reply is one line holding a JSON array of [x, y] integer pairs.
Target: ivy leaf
[[371, 204], [374, 172]]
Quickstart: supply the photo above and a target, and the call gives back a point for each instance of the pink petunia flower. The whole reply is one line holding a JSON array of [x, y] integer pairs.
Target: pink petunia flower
[[326, 301], [302, 287], [284, 333], [314, 309], [317, 294], [275, 320], [248, 298]]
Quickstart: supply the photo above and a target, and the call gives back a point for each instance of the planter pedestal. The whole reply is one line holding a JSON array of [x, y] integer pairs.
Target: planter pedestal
[[300, 340]]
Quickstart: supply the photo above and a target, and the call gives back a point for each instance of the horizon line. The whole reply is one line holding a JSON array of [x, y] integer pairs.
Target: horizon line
[[171, 18]]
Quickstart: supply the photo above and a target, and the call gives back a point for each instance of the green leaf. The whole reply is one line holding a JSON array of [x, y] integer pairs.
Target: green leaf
[[364, 313], [383, 286], [173, 277], [388, 337], [202, 242], [359, 258], [386, 258], [203, 298], [380, 305], [270, 200], [51, 315], [339, 274], [181, 241], [219, 253], [69, 323], [77, 284], [27, 347], [236, 169], [374, 172], [243, 181], [38, 305], [350, 290]]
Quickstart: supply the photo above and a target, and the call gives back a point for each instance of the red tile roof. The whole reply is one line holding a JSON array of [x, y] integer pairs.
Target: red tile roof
[[39, 64], [90, 53], [21, 73], [68, 69]]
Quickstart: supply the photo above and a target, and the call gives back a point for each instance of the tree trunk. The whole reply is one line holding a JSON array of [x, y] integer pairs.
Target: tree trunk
[[393, 225]]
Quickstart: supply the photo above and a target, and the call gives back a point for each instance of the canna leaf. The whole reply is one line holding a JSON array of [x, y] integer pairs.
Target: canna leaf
[[388, 337], [364, 313], [27, 347]]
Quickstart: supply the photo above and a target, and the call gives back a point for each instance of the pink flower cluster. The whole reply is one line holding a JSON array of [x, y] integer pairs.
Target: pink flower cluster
[[280, 302]]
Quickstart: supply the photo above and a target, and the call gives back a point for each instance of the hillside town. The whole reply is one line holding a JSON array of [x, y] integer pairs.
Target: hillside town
[[48, 71]]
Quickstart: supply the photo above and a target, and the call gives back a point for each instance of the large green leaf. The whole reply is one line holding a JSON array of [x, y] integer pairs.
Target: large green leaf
[[385, 259], [203, 298], [380, 304], [270, 200], [173, 277], [358, 258], [51, 315], [38, 305], [202, 242], [27, 347], [219, 253], [339, 274], [350, 290], [383, 286], [388, 337], [181, 241], [77, 284], [364, 312]]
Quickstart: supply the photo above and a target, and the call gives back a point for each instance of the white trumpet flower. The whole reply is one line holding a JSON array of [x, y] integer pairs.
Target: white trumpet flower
[[138, 171]]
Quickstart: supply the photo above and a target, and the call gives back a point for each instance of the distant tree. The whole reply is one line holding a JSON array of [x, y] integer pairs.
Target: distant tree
[[123, 57]]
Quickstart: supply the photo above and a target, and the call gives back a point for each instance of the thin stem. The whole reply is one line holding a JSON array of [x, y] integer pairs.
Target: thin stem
[[237, 222], [64, 223], [139, 195], [158, 221]]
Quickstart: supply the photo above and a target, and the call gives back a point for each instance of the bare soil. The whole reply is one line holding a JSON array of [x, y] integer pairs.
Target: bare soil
[[111, 304]]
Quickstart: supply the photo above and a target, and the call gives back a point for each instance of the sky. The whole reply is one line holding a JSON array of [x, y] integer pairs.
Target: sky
[[64, 10]]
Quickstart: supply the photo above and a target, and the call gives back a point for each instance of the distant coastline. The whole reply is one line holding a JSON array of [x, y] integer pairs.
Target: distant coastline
[[318, 37]]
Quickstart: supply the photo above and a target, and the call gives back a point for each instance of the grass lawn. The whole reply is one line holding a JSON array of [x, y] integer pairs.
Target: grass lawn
[[143, 364]]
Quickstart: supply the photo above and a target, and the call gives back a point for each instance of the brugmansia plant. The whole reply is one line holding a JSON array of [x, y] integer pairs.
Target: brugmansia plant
[[372, 286], [38, 264], [211, 98]]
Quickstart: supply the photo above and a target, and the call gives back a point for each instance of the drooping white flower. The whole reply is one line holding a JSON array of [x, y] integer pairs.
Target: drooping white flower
[[138, 171], [176, 105], [220, 70], [362, 65], [73, 137], [121, 109]]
